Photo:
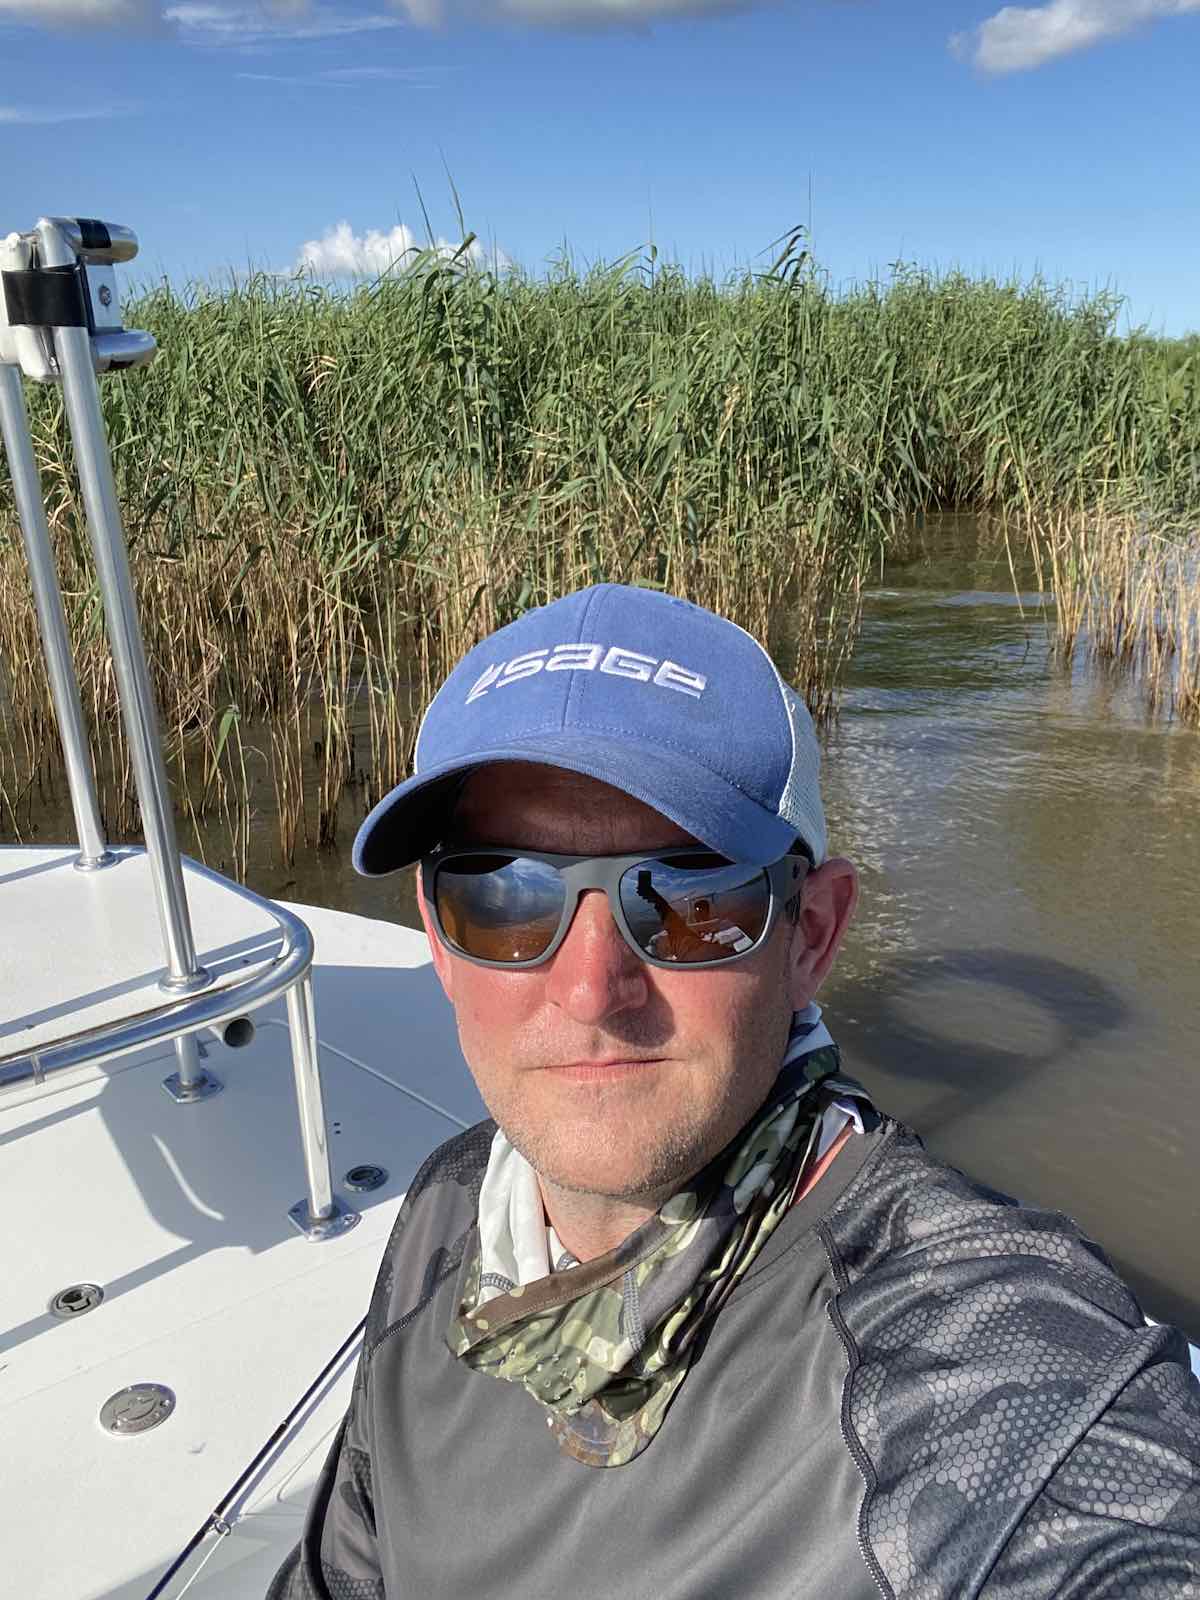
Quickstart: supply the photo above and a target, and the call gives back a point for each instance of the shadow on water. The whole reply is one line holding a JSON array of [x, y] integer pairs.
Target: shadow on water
[[904, 1044], [1077, 1007]]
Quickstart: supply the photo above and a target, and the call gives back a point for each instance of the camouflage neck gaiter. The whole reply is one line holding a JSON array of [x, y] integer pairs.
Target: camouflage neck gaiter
[[605, 1345]]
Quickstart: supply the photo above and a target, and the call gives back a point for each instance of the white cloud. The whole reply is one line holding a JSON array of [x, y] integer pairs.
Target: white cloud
[[1020, 37], [342, 253], [626, 12], [270, 22], [316, 81], [555, 13], [84, 13], [41, 116], [252, 24], [346, 77], [370, 74]]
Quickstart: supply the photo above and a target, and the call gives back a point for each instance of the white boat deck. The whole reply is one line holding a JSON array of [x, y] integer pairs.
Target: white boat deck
[[180, 1213], [82, 950]]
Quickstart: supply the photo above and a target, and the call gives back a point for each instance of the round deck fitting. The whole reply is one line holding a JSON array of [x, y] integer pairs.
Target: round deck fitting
[[340, 1220], [201, 1088], [366, 1176], [189, 983], [94, 863], [75, 1299], [137, 1409]]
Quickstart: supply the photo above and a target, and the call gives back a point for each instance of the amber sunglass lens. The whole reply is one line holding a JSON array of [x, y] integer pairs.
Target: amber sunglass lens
[[695, 909], [499, 907]]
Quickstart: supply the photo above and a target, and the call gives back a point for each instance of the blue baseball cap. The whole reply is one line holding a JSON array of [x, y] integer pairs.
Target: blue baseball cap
[[652, 694]]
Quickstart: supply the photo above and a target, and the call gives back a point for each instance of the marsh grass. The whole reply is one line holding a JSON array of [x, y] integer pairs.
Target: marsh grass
[[330, 497], [1127, 595]]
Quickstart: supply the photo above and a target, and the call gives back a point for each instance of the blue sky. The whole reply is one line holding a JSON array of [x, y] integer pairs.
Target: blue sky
[[1060, 137]]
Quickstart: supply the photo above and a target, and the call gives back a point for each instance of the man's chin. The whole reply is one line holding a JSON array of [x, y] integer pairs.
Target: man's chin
[[649, 1178]]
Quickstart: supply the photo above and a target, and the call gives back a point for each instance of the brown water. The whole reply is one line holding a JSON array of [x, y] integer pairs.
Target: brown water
[[1021, 983]]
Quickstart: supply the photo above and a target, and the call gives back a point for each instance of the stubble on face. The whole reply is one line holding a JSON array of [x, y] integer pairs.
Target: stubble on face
[[641, 1148], [709, 1042]]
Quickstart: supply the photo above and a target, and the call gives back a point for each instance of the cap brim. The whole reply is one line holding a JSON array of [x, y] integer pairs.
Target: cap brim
[[410, 820]]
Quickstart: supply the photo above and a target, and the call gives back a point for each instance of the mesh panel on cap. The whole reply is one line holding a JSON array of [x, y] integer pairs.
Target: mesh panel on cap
[[800, 802]]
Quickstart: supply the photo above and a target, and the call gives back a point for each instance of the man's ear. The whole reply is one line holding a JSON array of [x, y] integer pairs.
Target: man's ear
[[829, 896], [437, 950]]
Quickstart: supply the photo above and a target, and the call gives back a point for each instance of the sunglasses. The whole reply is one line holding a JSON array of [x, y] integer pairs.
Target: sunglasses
[[681, 907]]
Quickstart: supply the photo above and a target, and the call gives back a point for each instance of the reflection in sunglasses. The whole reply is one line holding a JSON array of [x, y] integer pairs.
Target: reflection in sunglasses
[[507, 940], [698, 909], [692, 923], [498, 907]]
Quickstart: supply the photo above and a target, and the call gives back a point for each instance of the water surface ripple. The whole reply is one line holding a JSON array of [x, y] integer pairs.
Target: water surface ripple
[[1021, 983]]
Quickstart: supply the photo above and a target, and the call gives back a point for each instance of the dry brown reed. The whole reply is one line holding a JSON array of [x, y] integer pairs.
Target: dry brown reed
[[307, 685]]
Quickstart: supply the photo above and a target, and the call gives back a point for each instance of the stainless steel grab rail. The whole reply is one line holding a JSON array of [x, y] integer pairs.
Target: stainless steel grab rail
[[81, 393], [192, 1014], [60, 323], [52, 623]]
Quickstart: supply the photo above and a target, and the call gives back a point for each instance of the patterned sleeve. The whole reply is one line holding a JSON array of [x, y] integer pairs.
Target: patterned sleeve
[[337, 1557], [1120, 1516]]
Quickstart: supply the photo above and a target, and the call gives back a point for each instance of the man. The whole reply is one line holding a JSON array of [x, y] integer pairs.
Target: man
[[689, 1319]]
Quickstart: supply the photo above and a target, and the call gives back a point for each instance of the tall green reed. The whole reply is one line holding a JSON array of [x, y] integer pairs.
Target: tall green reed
[[331, 495]]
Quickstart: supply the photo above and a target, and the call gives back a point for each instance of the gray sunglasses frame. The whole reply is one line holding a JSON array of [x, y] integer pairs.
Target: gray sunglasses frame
[[784, 878]]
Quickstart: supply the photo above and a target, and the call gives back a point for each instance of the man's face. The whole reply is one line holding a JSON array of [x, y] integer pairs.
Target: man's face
[[610, 1076]]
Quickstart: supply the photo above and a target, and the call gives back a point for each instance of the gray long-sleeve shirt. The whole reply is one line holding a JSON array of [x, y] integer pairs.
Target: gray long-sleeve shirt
[[921, 1389]]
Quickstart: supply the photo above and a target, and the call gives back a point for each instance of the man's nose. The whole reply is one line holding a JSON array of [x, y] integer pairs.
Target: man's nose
[[594, 974]]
